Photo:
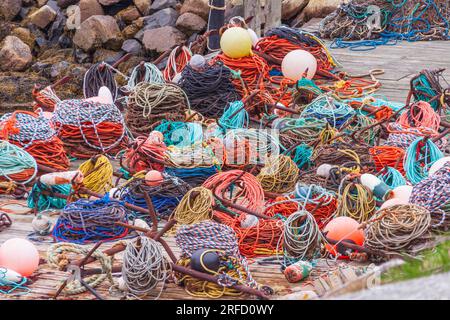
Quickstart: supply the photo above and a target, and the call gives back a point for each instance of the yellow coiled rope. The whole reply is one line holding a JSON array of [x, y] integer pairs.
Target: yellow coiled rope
[[196, 206], [357, 202], [280, 174], [98, 173]]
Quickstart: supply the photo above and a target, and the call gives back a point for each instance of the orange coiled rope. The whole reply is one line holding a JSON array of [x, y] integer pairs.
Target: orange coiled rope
[[421, 114], [35, 134], [282, 205], [388, 156], [277, 48], [287, 205], [178, 59], [352, 88], [257, 240], [239, 187], [249, 72], [243, 189]]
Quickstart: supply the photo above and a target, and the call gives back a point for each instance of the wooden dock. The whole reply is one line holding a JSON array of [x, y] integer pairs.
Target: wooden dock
[[399, 62]]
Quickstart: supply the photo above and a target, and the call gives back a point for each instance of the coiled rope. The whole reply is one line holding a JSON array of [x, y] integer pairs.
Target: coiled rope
[[150, 103], [397, 228], [88, 128], [16, 164], [85, 221], [196, 206], [209, 90], [279, 174], [97, 174], [144, 267], [58, 257], [419, 157]]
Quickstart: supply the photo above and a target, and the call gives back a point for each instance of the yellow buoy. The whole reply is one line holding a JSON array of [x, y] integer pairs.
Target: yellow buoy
[[236, 43]]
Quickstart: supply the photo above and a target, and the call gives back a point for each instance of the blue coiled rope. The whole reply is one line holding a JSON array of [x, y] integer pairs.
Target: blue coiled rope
[[324, 107], [85, 221], [193, 176]]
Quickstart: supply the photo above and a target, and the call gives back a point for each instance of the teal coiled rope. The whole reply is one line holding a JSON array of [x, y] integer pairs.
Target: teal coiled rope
[[234, 117], [392, 177], [325, 107], [44, 202], [14, 160], [419, 157], [180, 134], [148, 72]]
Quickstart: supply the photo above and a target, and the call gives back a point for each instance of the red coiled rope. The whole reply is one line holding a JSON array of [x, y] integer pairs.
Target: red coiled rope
[[144, 154]]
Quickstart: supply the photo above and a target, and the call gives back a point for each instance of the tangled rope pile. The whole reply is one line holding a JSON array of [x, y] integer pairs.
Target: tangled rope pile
[[150, 103], [248, 72], [165, 197], [196, 206], [97, 174], [386, 23], [144, 153], [280, 41], [279, 174], [433, 192], [58, 258], [233, 268], [324, 107], [100, 75], [88, 128], [301, 237]]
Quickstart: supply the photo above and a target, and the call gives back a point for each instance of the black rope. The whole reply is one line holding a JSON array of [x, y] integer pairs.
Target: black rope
[[209, 90]]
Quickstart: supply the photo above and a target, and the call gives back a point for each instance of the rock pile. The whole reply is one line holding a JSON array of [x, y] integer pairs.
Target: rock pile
[[32, 31]]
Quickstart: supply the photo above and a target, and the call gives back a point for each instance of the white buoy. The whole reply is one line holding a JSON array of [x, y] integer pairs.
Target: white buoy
[[380, 189], [105, 95], [249, 221], [58, 178], [41, 224], [9, 276], [393, 202], [253, 36], [324, 170], [402, 192], [438, 165], [197, 62]]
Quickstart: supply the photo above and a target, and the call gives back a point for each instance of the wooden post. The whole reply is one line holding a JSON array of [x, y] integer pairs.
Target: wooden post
[[272, 11], [252, 8]]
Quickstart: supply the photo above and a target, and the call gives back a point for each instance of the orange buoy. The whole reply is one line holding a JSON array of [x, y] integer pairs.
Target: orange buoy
[[153, 178], [343, 228]]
